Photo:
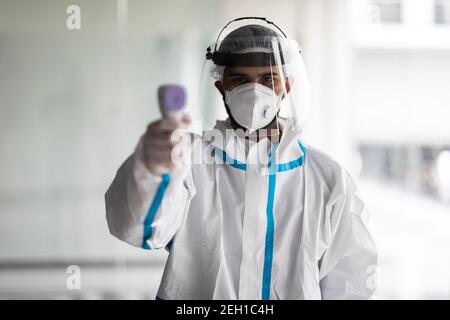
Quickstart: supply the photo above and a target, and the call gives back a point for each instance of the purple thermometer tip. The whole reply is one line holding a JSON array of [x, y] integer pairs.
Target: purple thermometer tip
[[172, 98]]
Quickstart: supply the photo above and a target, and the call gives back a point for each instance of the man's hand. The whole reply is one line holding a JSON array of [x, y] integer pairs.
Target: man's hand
[[159, 141]]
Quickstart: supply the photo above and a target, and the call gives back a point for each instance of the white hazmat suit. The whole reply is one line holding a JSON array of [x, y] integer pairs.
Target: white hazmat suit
[[265, 221]]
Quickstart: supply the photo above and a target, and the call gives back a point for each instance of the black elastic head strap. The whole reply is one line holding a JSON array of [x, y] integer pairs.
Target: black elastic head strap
[[247, 18], [209, 54]]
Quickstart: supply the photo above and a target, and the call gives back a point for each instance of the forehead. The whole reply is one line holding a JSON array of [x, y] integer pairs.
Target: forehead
[[249, 71]]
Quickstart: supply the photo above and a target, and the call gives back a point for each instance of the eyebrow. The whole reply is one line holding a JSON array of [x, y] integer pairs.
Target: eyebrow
[[268, 74]]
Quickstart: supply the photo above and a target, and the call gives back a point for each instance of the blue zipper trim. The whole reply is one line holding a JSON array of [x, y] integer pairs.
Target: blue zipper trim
[[232, 162], [281, 167], [156, 203], [268, 250]]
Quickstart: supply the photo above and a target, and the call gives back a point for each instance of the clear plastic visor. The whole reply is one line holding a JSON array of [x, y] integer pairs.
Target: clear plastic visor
[[272, 62]]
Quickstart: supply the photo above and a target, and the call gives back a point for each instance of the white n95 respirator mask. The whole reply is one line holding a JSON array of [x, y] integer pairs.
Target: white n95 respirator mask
[[252, 105]]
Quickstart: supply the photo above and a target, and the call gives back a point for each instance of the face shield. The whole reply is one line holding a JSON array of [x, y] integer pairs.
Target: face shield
[[255, 77]]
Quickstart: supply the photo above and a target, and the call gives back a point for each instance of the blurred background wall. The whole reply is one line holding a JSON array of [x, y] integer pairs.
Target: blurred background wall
[[73, 104]]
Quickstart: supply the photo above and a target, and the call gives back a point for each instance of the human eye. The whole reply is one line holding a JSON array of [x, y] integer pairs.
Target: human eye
[[238, 80], [267, 80]]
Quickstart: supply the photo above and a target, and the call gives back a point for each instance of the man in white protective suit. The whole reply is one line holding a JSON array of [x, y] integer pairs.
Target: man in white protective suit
[[259, 214]]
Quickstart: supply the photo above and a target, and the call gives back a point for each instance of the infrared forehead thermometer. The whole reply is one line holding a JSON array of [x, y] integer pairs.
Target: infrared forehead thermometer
[[172, 101]]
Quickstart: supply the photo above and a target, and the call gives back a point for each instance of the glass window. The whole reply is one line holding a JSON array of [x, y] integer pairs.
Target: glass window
[[442, 11], [387, 11]]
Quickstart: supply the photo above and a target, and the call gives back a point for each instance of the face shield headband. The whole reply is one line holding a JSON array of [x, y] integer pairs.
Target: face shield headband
[[248, 59]]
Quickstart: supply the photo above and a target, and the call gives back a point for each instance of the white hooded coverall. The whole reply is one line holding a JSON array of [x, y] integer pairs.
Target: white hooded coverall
[[299, 231]]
